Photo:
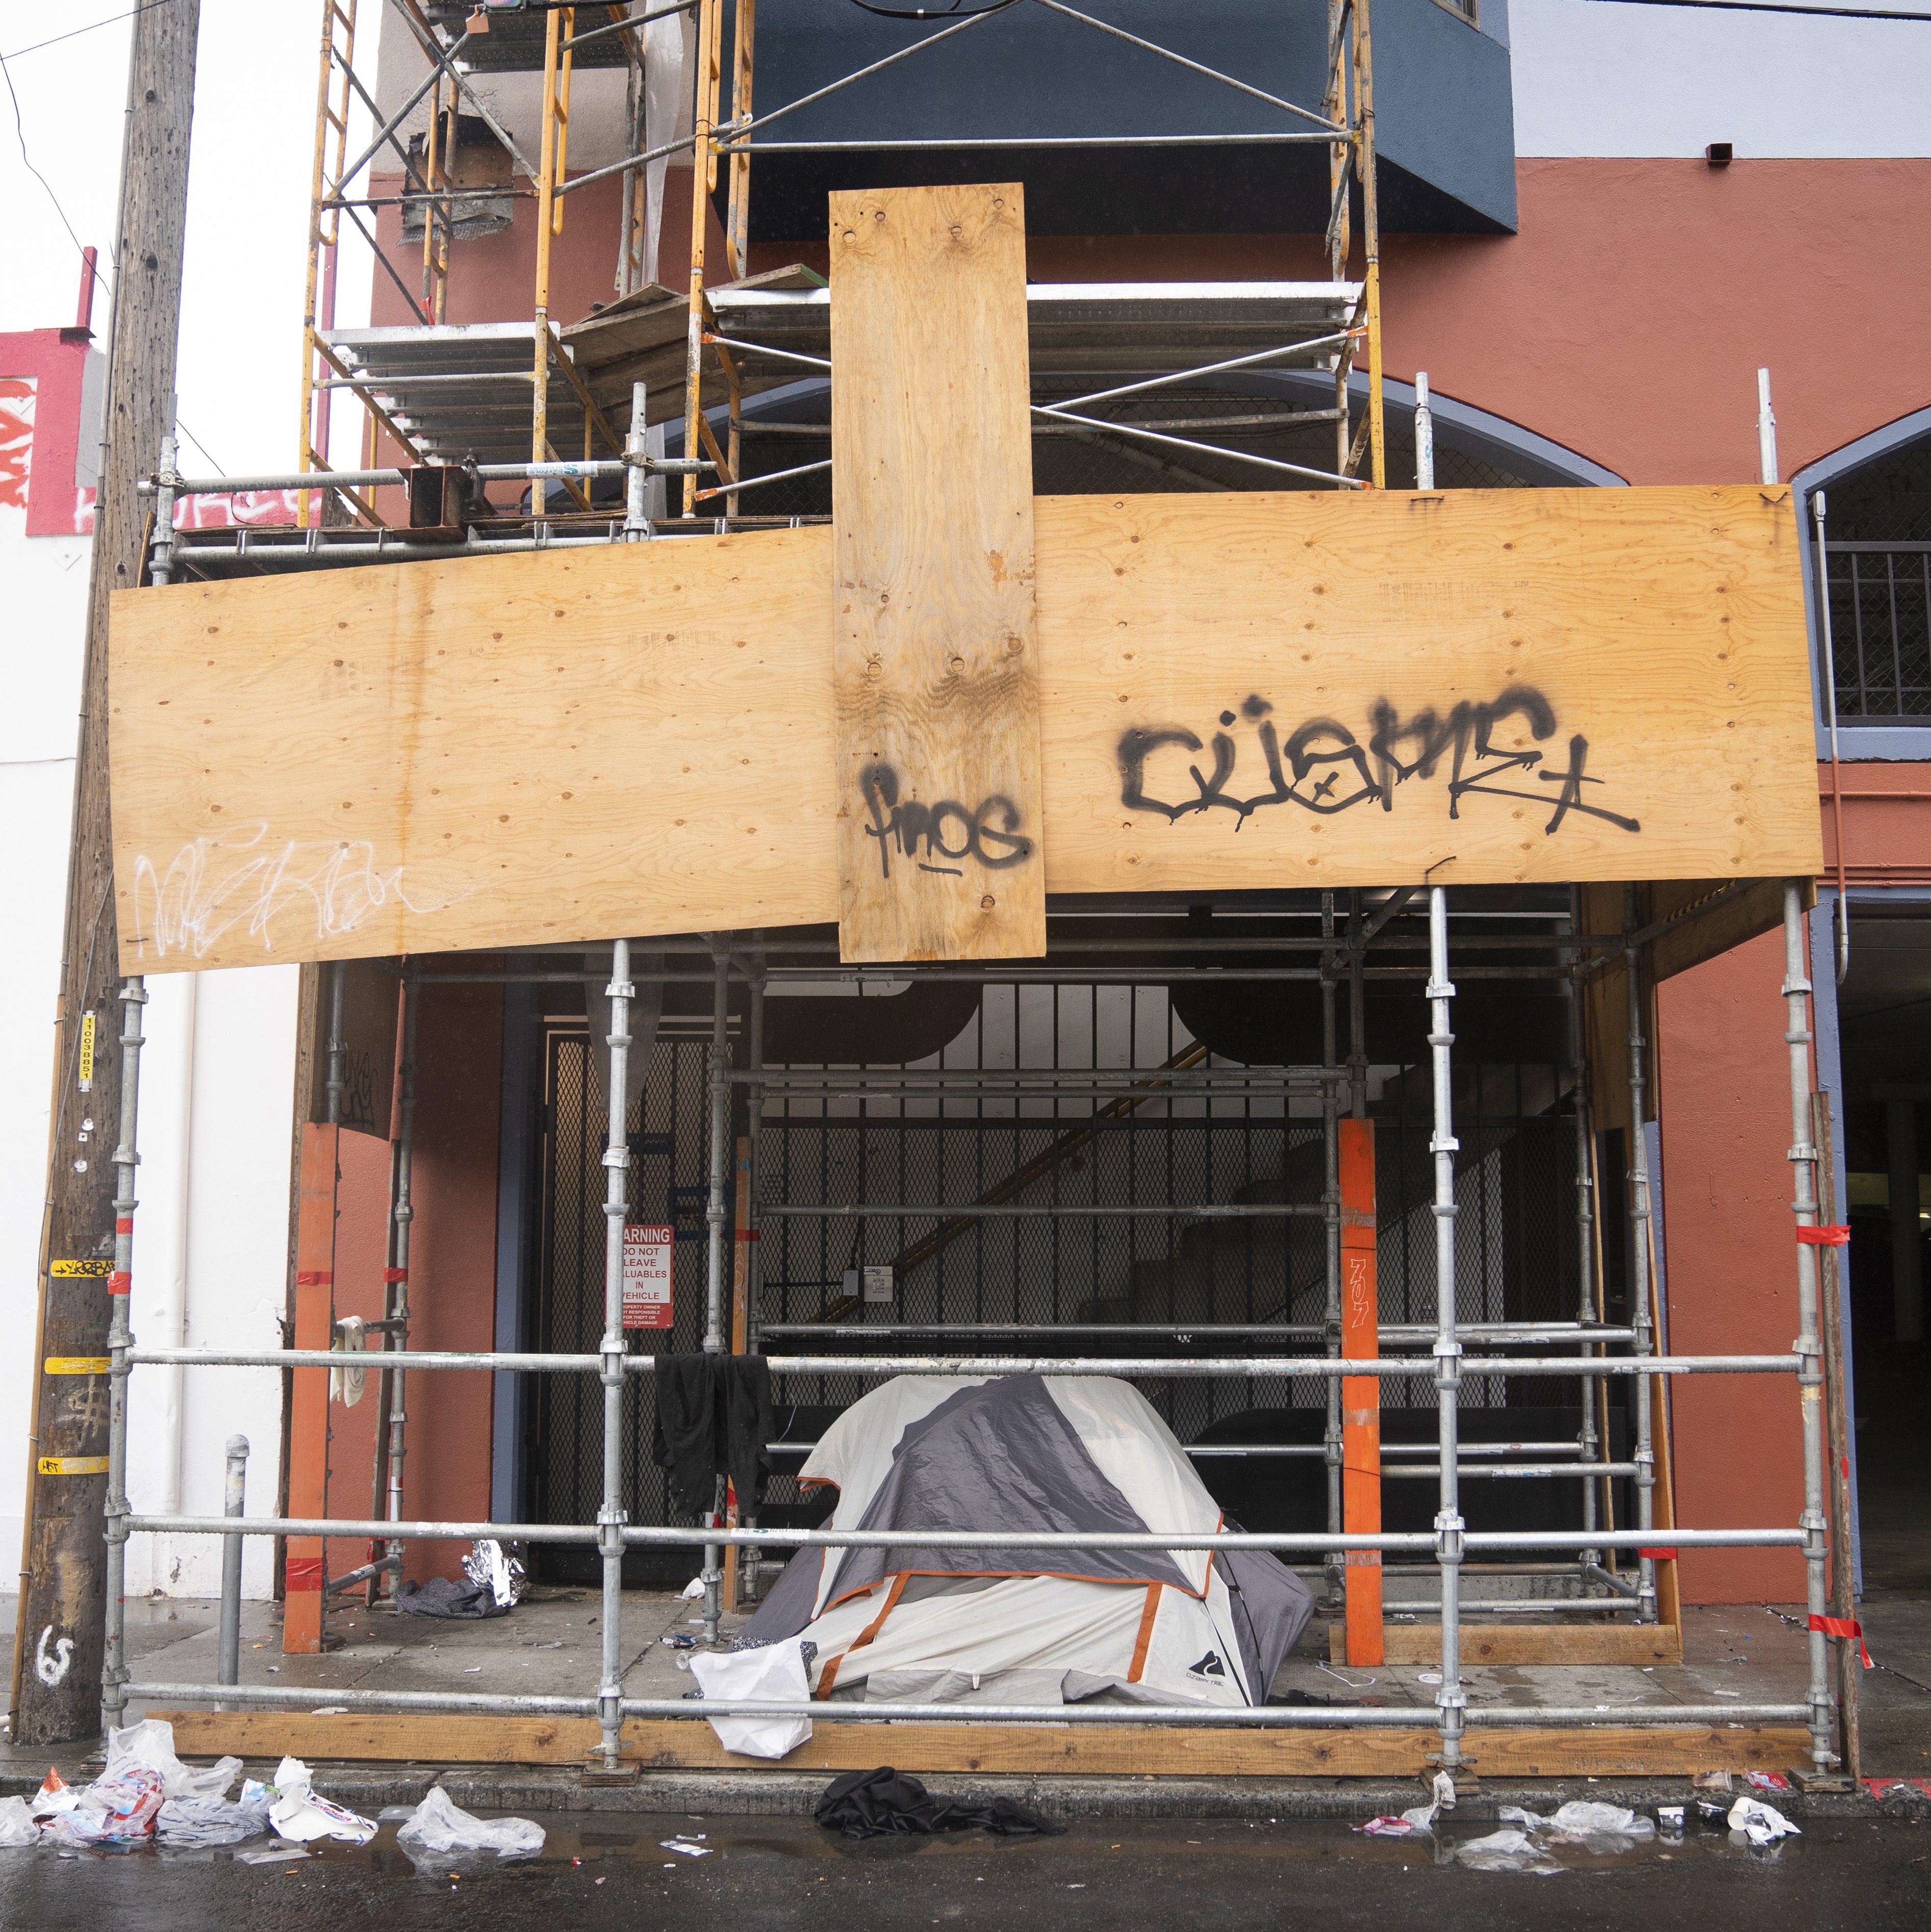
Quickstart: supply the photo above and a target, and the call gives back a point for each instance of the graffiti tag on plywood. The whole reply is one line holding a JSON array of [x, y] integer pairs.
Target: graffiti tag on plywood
[[251, 881], [1324, 767]]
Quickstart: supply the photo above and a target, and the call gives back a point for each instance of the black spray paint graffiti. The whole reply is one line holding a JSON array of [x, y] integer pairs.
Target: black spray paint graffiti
[[947, 830], [1321, 767]]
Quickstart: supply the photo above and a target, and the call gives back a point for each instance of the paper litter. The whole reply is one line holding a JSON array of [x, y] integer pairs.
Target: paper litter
[[150, 1743], [1762, 1824], [1768, 1780], [773, 1673], [210, 1821], [438, 1824], [689, 1850], [270, 1855], [695, 1588], [298, 1813], [116, 1810], [1417, 1818]]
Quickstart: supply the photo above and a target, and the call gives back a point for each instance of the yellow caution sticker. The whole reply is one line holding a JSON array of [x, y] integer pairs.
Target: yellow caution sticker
[[78, 1365], [96, 1267], [74, 1465]]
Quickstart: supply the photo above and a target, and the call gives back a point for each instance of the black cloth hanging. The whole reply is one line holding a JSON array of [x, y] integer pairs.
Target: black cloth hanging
[[713, 1419], [870, 1803]]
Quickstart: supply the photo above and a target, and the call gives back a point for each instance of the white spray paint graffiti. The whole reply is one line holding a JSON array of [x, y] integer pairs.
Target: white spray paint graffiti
[[51, 1670], [213, 885]]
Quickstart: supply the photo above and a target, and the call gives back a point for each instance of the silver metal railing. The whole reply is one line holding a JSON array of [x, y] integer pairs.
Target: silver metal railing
[[1446, 1548]]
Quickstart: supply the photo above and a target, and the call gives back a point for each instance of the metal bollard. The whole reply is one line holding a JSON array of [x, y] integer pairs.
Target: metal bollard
[[228, 1665]]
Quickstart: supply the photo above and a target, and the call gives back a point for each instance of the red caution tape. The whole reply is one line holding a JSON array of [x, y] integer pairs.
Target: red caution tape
[[1660, 1555], [395, 1274], [1824, 1237], [304, 1573], [314, 1278], [120, 1282], [1846, 1627]]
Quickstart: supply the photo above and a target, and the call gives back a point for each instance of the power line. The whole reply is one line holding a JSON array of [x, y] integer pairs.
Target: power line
[[20, 134], [1774, 7], [77, 32]]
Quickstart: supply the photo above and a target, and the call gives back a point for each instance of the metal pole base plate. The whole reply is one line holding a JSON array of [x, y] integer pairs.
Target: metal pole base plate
[[1467, 1783], [598, 1771], [1813, 1779]]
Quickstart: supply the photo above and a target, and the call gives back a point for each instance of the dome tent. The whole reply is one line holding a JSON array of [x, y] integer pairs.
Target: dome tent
[[1014, 1625]]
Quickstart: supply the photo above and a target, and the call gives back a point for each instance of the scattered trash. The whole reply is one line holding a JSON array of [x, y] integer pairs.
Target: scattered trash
[[1506, 1851], [1429, 1677], [330, 1711], [1768, 1780], [871, 1804], [16, 1824], [695, 1588], [1353, 1684], [1670, 1817], [120, 1809], [270, 1855], [150, 1743], [689, 1850], [1710, 1780], [1602, 1828], [443, 1597], [773, 1673], [557, 1645], [1762, 1824], [438, 1824], [679, 1640], [491, 1567], [395, 1814], [204, 1820], [472, 1670], [296, 1812], [1420, 1818], [1713, 1811]]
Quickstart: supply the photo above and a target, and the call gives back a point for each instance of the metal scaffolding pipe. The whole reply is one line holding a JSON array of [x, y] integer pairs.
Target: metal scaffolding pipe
[[1639, 1268], [716, 1215], [114, 1509], [611, 1516]]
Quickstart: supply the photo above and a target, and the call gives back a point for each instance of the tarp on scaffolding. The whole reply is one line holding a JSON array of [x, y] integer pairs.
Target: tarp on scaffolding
[[1026, 1454]]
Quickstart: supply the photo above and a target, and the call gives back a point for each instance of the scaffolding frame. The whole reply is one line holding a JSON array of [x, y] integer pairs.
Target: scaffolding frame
[[1344, 124], [1591, 1552]]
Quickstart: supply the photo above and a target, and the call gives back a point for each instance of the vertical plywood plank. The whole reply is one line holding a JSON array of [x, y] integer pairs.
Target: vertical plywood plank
[[1360, 1395], [935, 656], [308, 1418]]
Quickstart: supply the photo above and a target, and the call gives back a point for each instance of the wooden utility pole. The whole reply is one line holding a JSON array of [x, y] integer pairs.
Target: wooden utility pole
[[57, 1651]]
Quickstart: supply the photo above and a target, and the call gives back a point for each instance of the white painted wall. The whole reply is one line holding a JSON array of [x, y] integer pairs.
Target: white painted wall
[[1597, 78]]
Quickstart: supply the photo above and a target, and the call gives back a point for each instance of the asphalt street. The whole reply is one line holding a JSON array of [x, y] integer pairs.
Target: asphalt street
[[781, 1873]]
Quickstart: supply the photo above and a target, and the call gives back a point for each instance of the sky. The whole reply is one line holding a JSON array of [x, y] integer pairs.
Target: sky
[[252, 153]]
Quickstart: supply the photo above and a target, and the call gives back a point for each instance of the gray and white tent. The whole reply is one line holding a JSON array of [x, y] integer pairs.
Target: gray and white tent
[[1026, 1454]]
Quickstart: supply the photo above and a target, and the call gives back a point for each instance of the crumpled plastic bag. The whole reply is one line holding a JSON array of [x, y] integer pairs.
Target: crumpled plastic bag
[[116, 1810], [16, 1824], [297, 1814], [1602, 1828], [150, 1743], [1762, 1824], [205, 1820], [773, 1673], [1506, 1851], [1418, 1818], [438, 1824]]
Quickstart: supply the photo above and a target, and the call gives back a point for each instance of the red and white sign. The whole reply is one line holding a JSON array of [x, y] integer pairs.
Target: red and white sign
[[646, 1277]]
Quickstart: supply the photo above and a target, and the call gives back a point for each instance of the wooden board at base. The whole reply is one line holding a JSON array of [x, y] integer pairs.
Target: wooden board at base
[[666, 1744], [935, 658], [509, 751], [1637, 1644]]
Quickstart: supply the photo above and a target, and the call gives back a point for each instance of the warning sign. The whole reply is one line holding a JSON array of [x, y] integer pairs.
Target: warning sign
[[647, 1275]]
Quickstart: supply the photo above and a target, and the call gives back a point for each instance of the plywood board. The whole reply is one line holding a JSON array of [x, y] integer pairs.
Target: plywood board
[[935, 654], [1144, 1750], [1525, 1643], [501, 752]]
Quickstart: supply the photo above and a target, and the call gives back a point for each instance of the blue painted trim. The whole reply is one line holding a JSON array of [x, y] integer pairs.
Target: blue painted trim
[[1904, 744], [1824, 1025], [510, 1393]]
